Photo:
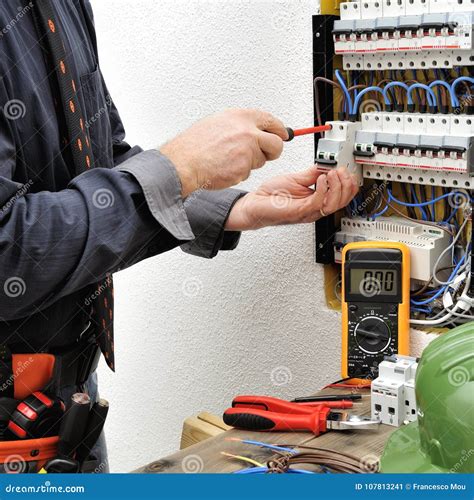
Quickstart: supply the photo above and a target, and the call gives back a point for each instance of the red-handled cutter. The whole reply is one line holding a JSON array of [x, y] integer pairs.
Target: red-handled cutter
[[261, 413]]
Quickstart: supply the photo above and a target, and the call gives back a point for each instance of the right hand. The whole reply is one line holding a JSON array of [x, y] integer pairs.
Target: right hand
[[220, 151]]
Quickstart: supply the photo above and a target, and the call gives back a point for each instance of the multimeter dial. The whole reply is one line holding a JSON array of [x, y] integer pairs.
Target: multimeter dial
[[372, 334]]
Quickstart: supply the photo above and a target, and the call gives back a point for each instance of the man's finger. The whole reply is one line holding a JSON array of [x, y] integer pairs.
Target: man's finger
[[332, 203], [268, 123], [347, 191], [308, 177], [320, 193], [260, 158], [270, 144]]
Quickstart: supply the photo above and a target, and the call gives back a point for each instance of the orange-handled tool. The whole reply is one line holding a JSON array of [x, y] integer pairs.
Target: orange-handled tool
[[306, 131]]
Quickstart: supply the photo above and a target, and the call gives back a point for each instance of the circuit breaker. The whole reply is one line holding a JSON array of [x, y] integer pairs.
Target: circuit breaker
[[393, 399]]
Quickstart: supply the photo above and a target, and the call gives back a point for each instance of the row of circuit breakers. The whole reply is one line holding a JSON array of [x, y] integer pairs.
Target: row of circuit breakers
[[405, 34]]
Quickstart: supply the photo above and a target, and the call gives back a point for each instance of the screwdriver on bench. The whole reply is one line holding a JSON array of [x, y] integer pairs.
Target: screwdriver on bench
[[306, 131]]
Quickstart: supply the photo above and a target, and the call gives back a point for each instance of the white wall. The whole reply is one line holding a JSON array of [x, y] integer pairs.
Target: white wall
[[191, 333]]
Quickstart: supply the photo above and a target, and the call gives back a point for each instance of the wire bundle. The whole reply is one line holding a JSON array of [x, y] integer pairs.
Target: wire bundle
[[327, 461]]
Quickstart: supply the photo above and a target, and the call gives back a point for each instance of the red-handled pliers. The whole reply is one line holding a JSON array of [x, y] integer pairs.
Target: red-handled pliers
[[261, 413]]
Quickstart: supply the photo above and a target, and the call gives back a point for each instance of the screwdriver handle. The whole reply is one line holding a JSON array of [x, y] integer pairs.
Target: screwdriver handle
[[306, 131], [259, 420]]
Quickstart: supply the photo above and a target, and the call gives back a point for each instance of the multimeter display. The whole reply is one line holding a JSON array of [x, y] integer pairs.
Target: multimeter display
[[375, 305], [374, 281]]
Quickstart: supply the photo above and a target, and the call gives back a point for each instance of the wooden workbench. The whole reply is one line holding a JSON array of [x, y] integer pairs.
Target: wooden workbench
[[206, 456]]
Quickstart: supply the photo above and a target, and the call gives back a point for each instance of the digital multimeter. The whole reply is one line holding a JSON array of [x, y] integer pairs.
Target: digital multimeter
[[375, 305]]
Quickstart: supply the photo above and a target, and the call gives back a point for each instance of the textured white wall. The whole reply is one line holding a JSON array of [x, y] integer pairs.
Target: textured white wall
[[191, 333]]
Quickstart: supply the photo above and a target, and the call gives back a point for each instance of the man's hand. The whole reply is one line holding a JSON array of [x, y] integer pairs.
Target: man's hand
[[288, 199], [221, 150]]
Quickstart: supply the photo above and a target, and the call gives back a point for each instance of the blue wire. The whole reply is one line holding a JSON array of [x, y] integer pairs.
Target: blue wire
[[451, 94], [362, 93], [441, 290], [429, 93], [413, 192], [342, 82], [264, 470], [378, 214], [425, 203], [433, 194], [426, 310], [389, 86], [269, 446], [455, 83]]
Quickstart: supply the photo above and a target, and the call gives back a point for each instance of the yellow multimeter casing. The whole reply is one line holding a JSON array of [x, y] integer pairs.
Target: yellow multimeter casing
[[375, 305]]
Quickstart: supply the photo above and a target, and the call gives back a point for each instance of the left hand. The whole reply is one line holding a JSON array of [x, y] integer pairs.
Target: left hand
[[289, 199]]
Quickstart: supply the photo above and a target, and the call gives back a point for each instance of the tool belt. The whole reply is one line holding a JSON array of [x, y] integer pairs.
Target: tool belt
[[30, 406]]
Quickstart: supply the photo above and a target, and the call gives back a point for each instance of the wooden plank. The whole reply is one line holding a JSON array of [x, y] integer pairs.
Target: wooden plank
[[196, 430], [207, 457], [201, 427]]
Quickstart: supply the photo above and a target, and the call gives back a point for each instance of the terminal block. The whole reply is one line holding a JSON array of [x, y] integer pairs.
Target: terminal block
[[426, 243], [336, 148], [393, 399]]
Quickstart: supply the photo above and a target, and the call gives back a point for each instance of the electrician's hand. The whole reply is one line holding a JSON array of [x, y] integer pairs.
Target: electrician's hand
[[289, 199], [222, 150]]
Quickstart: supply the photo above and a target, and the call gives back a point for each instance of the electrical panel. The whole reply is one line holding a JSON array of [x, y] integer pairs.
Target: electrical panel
[[394, 80]]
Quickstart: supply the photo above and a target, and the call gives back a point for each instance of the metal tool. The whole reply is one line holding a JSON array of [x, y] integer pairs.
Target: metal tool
[[260, 413], [327, 397]]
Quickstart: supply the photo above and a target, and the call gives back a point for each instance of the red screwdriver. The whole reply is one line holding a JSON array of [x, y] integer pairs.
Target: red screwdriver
[[306, 131]]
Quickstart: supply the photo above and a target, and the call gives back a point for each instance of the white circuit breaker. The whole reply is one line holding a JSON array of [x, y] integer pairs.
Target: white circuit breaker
[[393, 399], [336, 148]]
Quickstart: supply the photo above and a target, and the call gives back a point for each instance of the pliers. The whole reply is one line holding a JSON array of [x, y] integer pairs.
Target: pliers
[[262, 413]]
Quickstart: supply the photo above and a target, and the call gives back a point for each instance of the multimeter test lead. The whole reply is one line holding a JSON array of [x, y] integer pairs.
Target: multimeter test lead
[[306, 131]]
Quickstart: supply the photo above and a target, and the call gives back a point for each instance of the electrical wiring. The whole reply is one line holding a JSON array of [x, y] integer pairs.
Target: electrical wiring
[[243, 459], [448, 315], [252, 442], [449, 89], [455, 84], [327, 460], [440, 291], [316, 95], [342, 82], [401, 214], [429, 202], [429, 94], [445, 251], [389, 86], [360, 95], [417, 203]]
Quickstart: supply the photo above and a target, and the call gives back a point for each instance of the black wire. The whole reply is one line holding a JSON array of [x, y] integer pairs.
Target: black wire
[[447, 211], [407, 196], [424, 199]]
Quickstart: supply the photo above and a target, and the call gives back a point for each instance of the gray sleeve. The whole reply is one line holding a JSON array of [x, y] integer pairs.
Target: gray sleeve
[[199, 220], [207, 212], [161, 186]]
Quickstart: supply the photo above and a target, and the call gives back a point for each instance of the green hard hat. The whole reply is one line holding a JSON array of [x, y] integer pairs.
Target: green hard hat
[[442, 440]]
